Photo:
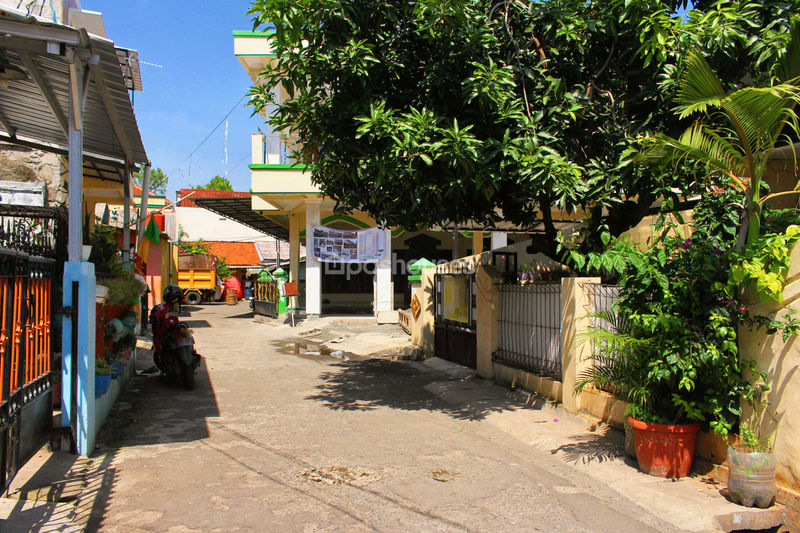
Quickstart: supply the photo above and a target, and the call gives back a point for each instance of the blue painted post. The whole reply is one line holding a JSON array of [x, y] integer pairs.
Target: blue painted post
[[83, 273]]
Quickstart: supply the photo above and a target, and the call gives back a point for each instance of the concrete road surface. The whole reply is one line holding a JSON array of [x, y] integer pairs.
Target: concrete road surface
[[275, 438]]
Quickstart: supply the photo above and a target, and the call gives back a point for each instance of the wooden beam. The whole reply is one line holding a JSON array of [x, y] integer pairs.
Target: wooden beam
[[41, 33], [111, 110], [60, 150], [47, 92]]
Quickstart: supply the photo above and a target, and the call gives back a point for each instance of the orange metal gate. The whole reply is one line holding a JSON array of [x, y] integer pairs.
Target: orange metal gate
[[265, 298], [29, 246]]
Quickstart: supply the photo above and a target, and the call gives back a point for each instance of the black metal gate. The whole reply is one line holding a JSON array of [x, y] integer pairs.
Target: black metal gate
[[455, 337], [32, 252]]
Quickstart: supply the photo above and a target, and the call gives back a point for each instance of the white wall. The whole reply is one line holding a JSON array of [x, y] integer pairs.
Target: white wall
[[199, 223]]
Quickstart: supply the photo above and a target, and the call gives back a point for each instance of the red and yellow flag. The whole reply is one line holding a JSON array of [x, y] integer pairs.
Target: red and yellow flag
[[151, 236]]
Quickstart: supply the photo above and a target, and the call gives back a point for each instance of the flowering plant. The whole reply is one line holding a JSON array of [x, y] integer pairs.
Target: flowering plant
[[678, 358]]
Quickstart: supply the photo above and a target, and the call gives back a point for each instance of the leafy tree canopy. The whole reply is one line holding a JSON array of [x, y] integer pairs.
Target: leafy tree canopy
[[434, 111], [158, 180], [222, 269], [217, 183]]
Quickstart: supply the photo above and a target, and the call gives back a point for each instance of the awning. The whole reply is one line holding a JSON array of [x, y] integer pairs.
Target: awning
[[240, 210], [34, 110]]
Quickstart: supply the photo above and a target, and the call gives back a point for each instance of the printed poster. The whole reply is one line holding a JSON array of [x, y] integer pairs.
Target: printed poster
[[348, 246]]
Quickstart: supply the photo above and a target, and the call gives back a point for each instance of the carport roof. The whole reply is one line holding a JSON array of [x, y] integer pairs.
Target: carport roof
[[240, 209], [34, 110]]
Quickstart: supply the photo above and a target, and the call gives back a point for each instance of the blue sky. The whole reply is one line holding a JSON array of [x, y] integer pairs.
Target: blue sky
[[199, 81]]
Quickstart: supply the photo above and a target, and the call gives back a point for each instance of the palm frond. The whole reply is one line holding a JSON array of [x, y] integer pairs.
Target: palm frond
[[699, 88], [789, 65], [762, 113], [698, 144]]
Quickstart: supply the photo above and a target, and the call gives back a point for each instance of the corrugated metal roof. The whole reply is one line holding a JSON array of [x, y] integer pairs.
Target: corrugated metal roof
[[34, 110]]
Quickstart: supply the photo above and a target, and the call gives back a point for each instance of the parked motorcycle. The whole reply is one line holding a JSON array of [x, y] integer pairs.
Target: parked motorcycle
[[174, 354]]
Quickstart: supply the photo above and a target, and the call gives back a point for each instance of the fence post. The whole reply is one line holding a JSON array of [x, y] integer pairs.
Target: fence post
[[574, 354], [426, 314], [487, 327], [84, 405]]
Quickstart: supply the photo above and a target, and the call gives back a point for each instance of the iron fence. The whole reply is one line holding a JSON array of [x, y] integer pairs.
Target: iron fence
[[530, 328], [601, 300], [32, 252], [265, 298]]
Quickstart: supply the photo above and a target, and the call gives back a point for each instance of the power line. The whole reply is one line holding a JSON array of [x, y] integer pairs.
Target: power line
[[239, 163], [215, 129]]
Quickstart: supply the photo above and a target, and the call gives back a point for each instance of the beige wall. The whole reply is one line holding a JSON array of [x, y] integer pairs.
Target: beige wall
[[781, 361], [782, 176], [574, 356], [422, 325]]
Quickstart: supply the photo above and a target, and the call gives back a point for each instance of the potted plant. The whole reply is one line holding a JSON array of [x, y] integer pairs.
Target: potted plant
[[669, 347], [102, 377], [116, 365], [123, 289], [663, 436], [751, 461], [524, 274]]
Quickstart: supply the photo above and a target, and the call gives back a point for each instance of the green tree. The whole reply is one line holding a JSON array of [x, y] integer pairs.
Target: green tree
[[221, 267], [158, 180], [217, 183], [192, 247], [737, 131], [437, 112]]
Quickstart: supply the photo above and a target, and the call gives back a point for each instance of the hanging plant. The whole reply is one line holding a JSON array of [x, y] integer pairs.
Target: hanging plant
[[123, 289]]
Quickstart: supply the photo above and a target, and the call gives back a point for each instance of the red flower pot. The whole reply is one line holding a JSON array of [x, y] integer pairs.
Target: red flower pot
[[664, 450]]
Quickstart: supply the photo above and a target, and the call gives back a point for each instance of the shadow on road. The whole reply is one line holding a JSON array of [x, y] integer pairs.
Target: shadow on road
[[152, 410], [597, 448], [366, 384]]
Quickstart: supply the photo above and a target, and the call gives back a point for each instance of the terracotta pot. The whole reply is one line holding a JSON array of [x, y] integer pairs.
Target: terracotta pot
[[664, 450]]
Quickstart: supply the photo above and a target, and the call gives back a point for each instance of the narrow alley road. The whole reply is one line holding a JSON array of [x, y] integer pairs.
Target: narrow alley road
[[273, 441]]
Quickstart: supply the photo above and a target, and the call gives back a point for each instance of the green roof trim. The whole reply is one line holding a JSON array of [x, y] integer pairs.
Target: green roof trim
[[245, 33], [262, 166]]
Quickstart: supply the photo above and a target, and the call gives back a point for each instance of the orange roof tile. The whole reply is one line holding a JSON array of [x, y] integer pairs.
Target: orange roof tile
[[235, 253], [205, 193]]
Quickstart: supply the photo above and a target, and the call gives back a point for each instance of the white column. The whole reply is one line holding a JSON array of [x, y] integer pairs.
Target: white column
[[313, 266], [257, 148], [384, 295], [75, 227], [499, 240]]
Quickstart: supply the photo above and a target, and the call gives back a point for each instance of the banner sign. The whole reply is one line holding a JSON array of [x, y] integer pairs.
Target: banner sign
[[348, 246]]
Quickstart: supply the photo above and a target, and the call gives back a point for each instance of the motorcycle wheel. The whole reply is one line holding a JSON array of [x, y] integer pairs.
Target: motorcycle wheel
[[187, 376]]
